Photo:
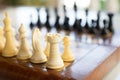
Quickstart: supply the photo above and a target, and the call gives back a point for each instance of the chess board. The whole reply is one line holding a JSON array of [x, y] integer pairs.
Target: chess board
[[92, 62]]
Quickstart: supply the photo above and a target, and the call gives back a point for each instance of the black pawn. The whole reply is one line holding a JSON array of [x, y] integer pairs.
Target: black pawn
[[75, 7], [92, 28], [39, 22], [64, 8], [86, 27], [66, 26], [31, 23], [98, 22], [77, 27], [47, 24], [105, 32], [57, 25], [110, 24], [39, 25]]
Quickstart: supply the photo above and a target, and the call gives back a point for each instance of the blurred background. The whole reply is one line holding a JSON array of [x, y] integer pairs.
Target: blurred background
[[96, 19]]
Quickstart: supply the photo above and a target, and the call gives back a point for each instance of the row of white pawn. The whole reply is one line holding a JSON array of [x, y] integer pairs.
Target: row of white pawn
[[51, 55]]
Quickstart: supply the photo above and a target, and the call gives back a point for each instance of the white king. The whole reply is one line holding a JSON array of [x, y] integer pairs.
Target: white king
[[54, 61]]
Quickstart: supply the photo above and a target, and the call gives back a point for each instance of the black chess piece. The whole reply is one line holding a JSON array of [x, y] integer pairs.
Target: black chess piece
[[31, 23], [77, 27], [39, 25], [110, 24], [57, 24], [86, 27], [47, 24], [64, 8], [92, 29], [75, 7], [105, 32], [97, 27], [66, 26], [78, 30]]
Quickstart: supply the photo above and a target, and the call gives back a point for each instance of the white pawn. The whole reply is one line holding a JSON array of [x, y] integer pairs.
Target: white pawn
[[67, 54], [10, 48], [38, 53], [54, 61], [47, 49], [24, 51], [2, 39]]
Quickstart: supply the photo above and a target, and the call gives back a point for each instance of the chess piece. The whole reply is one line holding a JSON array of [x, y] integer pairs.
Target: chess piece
[[10, 48], [2, 39], [67, 54], [75, 7], [57, 24], [47, 49], [39, 25], [86, 27], [54, 61], [38, 54], [92, 30], [79, 26], [47, 24], [64, 8], [31, 23], [105, 32], [97, 27], [66, 27], [110, 25], [24, 51], [75, 25]]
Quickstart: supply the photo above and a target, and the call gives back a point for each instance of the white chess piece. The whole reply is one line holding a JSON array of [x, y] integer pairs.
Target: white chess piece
[[47, 49], [67, 54], [24, 51], [54, 61], [10, 48], [38, 53], [2, 39]]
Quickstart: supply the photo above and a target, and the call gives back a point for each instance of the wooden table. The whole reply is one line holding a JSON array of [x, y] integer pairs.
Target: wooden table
[[92, 62]]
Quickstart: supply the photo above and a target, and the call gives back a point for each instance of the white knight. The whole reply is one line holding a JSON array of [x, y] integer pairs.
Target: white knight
[[38, 53]]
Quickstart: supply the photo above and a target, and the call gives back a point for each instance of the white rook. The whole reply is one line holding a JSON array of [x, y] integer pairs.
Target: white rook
[[54, 61]]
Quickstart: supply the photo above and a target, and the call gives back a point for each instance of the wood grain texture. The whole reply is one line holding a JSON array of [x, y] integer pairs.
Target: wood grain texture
[[96, 63]]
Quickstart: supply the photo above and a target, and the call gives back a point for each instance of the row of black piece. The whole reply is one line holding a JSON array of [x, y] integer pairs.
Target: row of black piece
[[95, 29]]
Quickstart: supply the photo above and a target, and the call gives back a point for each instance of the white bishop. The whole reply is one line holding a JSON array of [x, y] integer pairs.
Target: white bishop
[[24, 51]]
